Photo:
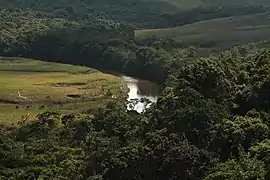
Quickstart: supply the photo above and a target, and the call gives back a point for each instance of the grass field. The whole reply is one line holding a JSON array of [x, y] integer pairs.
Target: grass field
[[189, 4], [29, 87], [218, 33]]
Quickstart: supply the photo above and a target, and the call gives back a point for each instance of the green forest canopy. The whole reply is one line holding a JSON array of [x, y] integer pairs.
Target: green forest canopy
[[210, 122]]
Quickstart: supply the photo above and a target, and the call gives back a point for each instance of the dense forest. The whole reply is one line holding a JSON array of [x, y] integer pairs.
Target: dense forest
[[210, 122], [94, 41]]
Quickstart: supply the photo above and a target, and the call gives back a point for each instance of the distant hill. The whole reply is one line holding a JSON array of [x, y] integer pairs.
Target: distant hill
[[203, 23], [219, 33], [123, 10], [139, 13], [189, 4]]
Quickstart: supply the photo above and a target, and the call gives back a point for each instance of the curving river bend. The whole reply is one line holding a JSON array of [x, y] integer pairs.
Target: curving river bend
[[140, 89]]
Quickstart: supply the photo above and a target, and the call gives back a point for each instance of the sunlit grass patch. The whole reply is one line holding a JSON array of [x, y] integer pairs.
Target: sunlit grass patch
[[30, 86]]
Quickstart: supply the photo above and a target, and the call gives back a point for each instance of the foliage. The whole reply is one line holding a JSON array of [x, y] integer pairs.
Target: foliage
[[99, 43], [211, 120], [245, 168], [216, 34], [198, 128]]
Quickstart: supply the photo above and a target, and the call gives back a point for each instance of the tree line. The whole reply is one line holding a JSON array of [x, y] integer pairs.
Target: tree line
[[137, 13], [93, 41]]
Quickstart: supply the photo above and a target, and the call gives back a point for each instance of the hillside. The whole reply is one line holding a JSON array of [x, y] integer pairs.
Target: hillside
[[121, 10], [219, 33], [140, 13], [189, 4]]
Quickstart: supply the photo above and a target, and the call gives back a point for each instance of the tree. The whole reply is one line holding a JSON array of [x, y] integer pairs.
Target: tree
[[185, 111], [244, 168], [160, 156], [261, 150], [207, 77], [239, 132]]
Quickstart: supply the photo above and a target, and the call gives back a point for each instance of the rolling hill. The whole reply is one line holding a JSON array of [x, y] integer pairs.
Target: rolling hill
[[189, 4], [219, 33]]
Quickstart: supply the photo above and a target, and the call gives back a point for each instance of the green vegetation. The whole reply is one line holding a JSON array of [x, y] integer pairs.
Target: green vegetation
[[48, 86], [143, 13], [184, 4], [97, 42], [218, 33], [29, 65], [210, 122], [121, 10]]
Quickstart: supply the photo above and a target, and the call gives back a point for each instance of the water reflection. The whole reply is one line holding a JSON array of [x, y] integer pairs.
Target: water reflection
[[140, 90]]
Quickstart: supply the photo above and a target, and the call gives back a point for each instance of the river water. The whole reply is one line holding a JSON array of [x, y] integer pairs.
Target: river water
[[139, 90]]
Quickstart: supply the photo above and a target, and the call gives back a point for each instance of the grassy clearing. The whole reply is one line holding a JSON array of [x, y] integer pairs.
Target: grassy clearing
[[184, 4], [46, 86], [29, 65], [219, 33], [189, 4]]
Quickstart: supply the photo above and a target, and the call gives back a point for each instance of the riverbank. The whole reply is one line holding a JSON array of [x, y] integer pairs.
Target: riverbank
[[141, 93], [29, 87]]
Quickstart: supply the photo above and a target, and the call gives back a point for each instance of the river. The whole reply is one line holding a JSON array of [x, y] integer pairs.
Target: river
[[138, 90]]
